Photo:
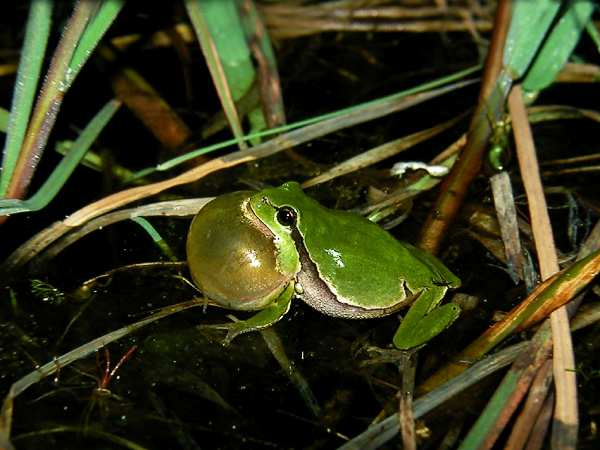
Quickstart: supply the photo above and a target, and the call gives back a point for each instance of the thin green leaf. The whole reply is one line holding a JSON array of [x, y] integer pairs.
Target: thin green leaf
[[96, 162], [28, 75], [530, 22], [49, 101], [4, 115], [355, 109], [93, 33], [508, 394], [594, 34], [87, 25], [225, 28], [65, 168], [156, 237], [218, 30], [559, 45], [270, 110]]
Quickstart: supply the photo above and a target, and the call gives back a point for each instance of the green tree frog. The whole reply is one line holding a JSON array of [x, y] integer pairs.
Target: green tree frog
[[256, 250]]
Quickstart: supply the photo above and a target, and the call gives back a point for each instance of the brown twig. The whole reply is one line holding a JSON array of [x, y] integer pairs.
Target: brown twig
[[288, 20], [406, 419], [148, 106], [531, 410], [540, 428], [564, 435], [507, 219], [524, 369], [367, 112], [268, 76], [489, 109]]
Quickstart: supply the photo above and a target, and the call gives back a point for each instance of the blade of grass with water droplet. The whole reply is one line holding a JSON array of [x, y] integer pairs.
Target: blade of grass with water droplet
[[82, 33], [65, 168], [93, 32], [28, 75]]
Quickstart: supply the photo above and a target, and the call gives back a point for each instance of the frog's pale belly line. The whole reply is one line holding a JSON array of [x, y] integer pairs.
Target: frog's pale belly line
[[315, 292]]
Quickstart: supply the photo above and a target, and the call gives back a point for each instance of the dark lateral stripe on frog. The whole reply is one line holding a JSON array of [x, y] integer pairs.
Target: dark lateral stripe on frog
[[318, 295]]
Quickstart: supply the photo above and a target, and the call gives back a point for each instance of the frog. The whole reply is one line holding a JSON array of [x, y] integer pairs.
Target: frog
[[256, 251]]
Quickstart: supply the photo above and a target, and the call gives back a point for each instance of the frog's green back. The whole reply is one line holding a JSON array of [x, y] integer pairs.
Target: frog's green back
[[357, 258], [442, 275]]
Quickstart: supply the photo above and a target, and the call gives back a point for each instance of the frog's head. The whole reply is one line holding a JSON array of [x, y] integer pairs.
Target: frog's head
[[234, 258], [279, 209]]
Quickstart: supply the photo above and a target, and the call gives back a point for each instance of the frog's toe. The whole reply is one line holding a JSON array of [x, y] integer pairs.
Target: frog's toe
[[232, 329], [215, 332]]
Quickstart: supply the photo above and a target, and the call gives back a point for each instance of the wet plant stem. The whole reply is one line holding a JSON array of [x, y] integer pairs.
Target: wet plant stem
[[490, 107], [406, 419]]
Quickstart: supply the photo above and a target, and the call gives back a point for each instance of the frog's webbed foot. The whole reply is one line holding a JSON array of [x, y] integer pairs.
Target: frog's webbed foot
[[425, 320], [429, 327], [263, 319]]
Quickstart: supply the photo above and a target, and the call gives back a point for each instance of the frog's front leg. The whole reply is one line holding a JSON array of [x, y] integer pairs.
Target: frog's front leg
[[263, 319], [425, 319]]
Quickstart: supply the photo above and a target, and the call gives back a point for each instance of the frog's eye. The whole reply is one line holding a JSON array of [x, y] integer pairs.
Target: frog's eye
[[286, 216]]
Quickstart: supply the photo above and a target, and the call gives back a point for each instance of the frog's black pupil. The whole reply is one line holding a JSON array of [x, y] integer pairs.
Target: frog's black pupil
[[286, 216]]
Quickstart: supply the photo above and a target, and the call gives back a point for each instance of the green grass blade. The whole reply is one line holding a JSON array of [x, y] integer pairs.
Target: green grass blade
[[28, 75], [156, 237], [448, 79], [594, 34], [559, 45], [226, 31], [49, 102], [87, 24], [513, 387], [218, 30], [65, 168], [490, 415], [94, 31], [270, 112], [96, 162], [4, 115], [530, 22]]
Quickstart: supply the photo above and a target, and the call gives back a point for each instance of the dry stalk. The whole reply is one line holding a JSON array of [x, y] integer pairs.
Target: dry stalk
[[564, 435]]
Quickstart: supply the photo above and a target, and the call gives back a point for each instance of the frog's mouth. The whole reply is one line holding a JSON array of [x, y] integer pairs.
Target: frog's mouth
[[253, 219]]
